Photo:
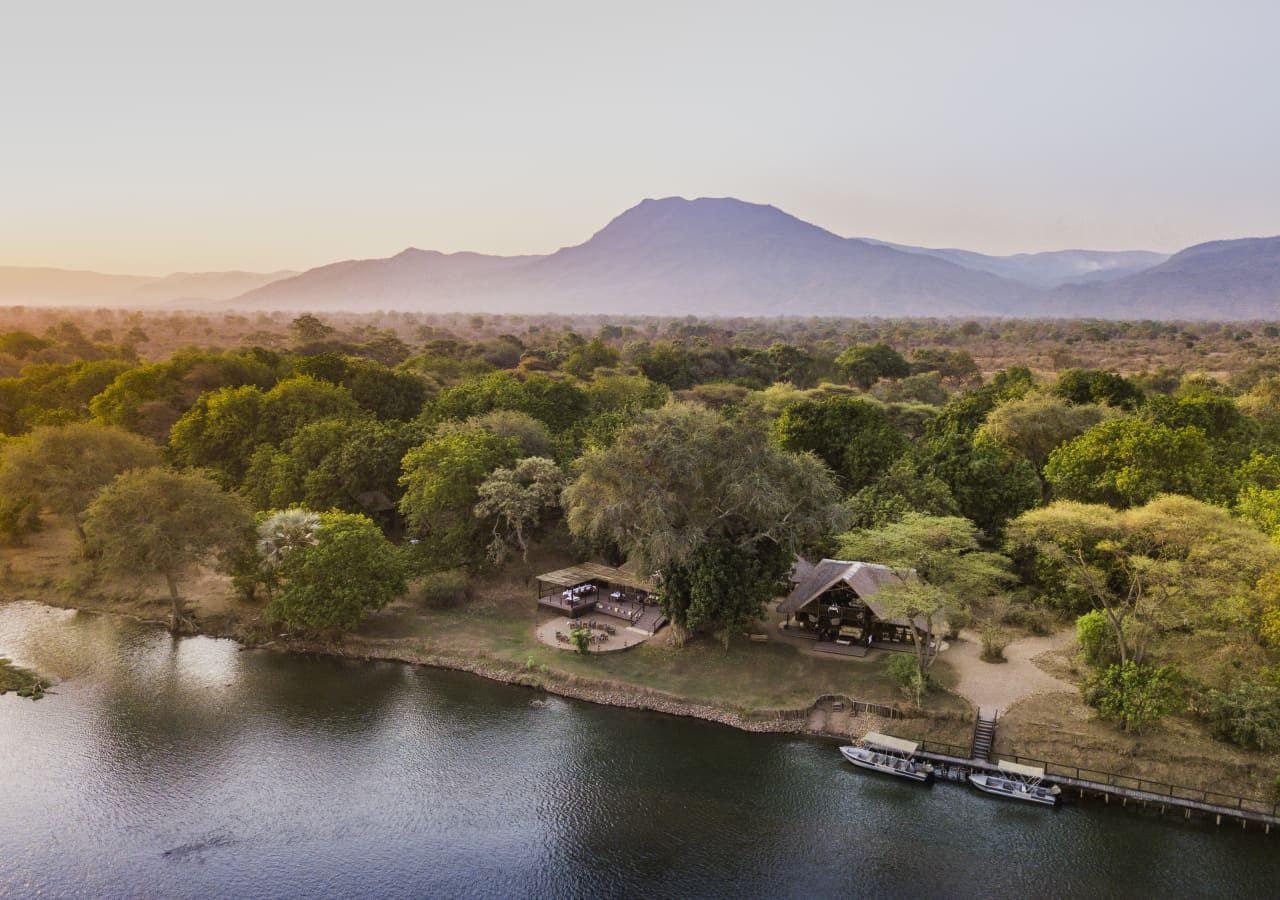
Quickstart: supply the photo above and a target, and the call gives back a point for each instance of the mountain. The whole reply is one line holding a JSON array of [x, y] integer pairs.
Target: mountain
[[204, 285], [403, 281], [20, 285], [709, 257], [1049, 269], [1238, 279], [69, 287]]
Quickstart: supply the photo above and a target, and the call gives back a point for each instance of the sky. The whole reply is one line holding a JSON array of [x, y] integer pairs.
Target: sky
[[142, 137]]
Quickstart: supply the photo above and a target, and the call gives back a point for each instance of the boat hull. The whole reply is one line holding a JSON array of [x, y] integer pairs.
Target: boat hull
[[915, 773], [1037, 795]]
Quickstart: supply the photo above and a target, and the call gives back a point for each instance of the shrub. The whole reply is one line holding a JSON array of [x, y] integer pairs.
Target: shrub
[[19, 516], [1097, 641], [903, 669], [957, 621], [440, 590], [1035, 619], [994, 640], [581, 638], [1133, 696], [1247, 714]]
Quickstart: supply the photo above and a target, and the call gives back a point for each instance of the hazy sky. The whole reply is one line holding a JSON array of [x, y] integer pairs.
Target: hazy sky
[[142, 137]]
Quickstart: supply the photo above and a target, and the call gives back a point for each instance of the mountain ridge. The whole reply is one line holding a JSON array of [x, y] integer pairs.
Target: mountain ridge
[[724, 257]]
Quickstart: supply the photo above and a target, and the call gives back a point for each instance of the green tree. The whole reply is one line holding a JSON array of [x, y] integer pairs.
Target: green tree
[[682, 490], [161, 522], [1037, 424], [867, 364], [584, 359], [1135, 696], [149, 399], [1173, 563], [990, 483], [942, 566], [331, 464], [333, 583], [441, 480], [903, 489], [64, 467], [516, 500], [1247, 713], [1094, 386], [308, 329], [1127, 462], [855, 438]]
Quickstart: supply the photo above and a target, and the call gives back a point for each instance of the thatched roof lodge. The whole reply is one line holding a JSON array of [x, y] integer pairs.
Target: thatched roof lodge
[[837, 599]]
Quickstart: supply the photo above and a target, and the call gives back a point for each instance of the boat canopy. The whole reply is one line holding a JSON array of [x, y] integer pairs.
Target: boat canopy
[[886, 742], [1018, 769]]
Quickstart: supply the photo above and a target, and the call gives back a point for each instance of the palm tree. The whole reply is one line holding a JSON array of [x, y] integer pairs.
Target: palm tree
[[283, 532]]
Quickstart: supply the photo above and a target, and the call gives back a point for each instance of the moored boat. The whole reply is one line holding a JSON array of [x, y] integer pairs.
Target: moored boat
[[890, 755], [1017, 782]]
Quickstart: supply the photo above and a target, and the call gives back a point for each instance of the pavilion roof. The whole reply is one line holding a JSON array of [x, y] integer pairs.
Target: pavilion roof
[[866, 580], [584, 572]]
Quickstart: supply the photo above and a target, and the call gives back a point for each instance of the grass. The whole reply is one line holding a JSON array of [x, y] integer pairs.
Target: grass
[[26, 683], [745, 674]]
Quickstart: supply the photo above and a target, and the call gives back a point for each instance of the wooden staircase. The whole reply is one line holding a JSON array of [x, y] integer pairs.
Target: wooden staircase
[[984, 735]]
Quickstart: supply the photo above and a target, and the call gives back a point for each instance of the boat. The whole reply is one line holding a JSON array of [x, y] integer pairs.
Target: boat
[[890, 755], [1017, 782]]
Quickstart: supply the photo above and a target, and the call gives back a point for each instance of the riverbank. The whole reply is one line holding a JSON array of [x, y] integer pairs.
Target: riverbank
[[762, 687]]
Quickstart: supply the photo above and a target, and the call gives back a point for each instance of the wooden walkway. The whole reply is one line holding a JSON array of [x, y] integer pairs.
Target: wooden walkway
[[1148, 799]]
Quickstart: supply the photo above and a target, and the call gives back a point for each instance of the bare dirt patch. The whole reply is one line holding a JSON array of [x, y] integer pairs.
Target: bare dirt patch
[[998, 686]]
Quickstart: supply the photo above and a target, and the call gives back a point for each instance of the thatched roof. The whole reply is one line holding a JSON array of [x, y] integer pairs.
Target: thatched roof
[[865, 579], [580, 574]]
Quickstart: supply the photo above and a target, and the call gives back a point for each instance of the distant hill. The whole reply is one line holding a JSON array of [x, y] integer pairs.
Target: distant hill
[[722, 257], [204, 285], [69, 287], [708, 257], [20, 285], [1237, 279], [1051, 268]]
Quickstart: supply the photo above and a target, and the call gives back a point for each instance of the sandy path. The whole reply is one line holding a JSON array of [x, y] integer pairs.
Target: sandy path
[[997, 686]]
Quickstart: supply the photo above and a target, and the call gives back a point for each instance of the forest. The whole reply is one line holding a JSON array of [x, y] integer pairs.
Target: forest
[[1119, 478]]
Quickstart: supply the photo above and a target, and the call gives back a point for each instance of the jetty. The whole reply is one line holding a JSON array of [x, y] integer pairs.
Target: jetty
[[955, 763]]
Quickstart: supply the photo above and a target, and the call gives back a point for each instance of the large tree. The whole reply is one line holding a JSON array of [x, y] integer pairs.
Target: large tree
[[442, 478], [951, 570], [333, 580], [856, 438], [1127, 462], [1173, 563], [515, 500], [1037, 424], [708, 504], [160, 522], [63, 467], [865, 365]]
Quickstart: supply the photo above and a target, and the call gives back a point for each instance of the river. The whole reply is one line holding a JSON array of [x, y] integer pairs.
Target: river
[[191, 768]]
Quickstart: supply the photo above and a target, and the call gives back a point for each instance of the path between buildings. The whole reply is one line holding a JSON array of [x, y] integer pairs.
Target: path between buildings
[[992, 686]]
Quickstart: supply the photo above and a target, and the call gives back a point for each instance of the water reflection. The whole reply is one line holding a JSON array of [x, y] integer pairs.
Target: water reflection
[[189, 768]]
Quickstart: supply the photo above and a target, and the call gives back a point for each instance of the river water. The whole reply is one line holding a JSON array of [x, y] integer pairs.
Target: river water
[[190, 768]]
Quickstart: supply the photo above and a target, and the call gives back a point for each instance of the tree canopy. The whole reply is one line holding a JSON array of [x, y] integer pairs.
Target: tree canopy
[[157, 521], [63, 467], [683, 490], [333, 580]]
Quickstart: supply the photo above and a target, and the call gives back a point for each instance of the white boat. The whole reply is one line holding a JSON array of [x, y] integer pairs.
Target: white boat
[[1017, 782], [890, 755]]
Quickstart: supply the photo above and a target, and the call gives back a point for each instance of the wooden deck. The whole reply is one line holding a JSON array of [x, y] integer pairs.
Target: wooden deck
[[556, 603], [858, 650]]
